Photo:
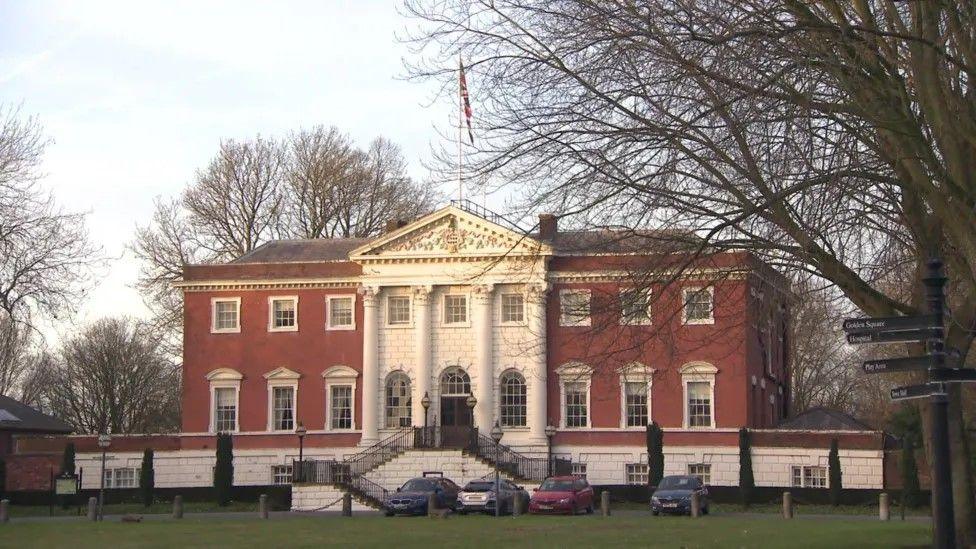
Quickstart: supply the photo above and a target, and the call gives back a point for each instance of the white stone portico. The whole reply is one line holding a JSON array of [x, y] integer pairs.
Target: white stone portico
[[473, 263]]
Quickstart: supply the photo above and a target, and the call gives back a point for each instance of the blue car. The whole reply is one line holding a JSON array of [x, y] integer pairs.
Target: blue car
[[411, 498]]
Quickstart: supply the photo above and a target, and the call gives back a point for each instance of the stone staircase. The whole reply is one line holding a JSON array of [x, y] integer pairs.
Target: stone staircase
[[382, 468]]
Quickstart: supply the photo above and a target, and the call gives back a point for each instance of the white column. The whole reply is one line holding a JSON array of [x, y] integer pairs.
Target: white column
[[484, 412], [371, 370], [537, 391], [422, 366]]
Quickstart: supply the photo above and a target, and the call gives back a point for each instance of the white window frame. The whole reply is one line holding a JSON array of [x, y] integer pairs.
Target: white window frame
[[271, 302], [708, 467], [290, 474], [341, 376], [224, 378], [386, 400], [575, 372], [639, 470], [579, 469], [386, 313], [213, 315], [111, 475], [328, 312], [802, 469], [282, 378], [684, 305], [467, 310], [570, 320], [331, 405], [501, 309], [525, 405], [626, 321], [635, 373], [698, 372]]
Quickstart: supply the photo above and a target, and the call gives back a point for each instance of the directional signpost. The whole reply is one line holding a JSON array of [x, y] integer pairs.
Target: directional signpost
[[927, 328]]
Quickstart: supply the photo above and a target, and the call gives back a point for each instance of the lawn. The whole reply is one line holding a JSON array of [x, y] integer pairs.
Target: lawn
[[472, 531], [132, 508]]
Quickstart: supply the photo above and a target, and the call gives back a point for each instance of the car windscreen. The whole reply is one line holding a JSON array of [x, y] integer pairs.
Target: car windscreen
[[552, 485], [678, 483], [418, 485], [479, 487]]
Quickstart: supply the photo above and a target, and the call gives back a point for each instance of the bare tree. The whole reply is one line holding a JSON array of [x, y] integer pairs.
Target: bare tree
[[19, 357], [46, 259], [338, 190], [114, 375], [831, 138], [316, 184], [235, 203]]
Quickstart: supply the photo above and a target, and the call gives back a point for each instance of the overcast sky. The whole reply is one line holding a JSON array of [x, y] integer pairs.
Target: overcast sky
[[137, 95]]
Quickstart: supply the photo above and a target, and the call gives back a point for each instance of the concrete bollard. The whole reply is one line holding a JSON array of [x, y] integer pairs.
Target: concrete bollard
[[263, 505], [884, 506], [177, 507], [4, 511], [347, 504], [695, 505], [605, 503], [431, 505], [93, 509], [787, 505], [516, 505]]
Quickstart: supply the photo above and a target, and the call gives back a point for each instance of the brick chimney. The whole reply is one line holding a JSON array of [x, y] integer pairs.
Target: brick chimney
[[394, 224], [548, 225]]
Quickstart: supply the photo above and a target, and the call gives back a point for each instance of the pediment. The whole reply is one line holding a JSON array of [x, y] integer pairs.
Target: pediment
[[450, 232]]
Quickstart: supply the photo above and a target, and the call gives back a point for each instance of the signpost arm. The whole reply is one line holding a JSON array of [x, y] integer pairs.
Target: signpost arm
[[944, 531]]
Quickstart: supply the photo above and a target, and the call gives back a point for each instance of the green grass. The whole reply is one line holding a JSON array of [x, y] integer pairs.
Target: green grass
[[799, 509], [471, 531], [132, 508]]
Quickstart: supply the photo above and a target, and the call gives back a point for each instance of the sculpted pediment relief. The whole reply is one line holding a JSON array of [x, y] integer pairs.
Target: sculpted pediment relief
[[451, 232]]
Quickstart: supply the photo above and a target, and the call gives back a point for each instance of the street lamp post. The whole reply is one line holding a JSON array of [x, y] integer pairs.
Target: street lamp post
[[301, 431], [425, 402], [471, 401], [550, 432], [496, 435], [104, 441]]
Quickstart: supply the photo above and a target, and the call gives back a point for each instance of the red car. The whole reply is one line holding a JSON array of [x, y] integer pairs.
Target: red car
[[562, 495]]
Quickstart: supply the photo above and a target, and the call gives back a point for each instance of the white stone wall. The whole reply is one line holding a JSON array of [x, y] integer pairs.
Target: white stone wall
[[193, 468], [313, 497], [604, 465], [771, 466]]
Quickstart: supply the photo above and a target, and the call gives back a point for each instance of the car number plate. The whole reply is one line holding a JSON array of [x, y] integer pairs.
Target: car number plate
[[545, 507], [670, 504]]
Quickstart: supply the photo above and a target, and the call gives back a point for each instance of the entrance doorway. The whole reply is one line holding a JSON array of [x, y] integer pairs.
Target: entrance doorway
[[456, 417]]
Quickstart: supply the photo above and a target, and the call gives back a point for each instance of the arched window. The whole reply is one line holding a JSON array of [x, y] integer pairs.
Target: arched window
[[512, 404], [455, 382], [398, 400]]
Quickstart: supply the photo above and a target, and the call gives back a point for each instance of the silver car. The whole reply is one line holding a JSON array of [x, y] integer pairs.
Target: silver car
[[478, 496]]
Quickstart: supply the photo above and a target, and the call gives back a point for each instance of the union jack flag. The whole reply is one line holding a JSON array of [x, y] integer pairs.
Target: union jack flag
[[465, 104]]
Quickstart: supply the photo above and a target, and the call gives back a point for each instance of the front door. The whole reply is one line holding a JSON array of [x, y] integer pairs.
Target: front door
[[456, 421]]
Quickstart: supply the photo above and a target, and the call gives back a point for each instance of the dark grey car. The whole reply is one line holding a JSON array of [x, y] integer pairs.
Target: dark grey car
[[673, 495], [478, 496]]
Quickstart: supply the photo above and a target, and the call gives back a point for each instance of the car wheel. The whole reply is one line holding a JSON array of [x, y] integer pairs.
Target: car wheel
[[462, 512], [705, 510], [655, 513], [388, 513], [589, 509]]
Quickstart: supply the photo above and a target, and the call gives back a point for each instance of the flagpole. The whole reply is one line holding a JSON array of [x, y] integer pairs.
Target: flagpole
[[460, 130]]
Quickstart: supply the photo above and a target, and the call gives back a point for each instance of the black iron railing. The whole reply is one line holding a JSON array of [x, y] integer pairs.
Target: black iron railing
[[379, 453], [318, 471], [366, 489], [485, 213], [507, 460]]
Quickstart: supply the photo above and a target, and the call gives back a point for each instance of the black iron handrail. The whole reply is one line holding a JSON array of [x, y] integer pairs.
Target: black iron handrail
[[379, 453], [366, 489], [507, 460], [485, 213]]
